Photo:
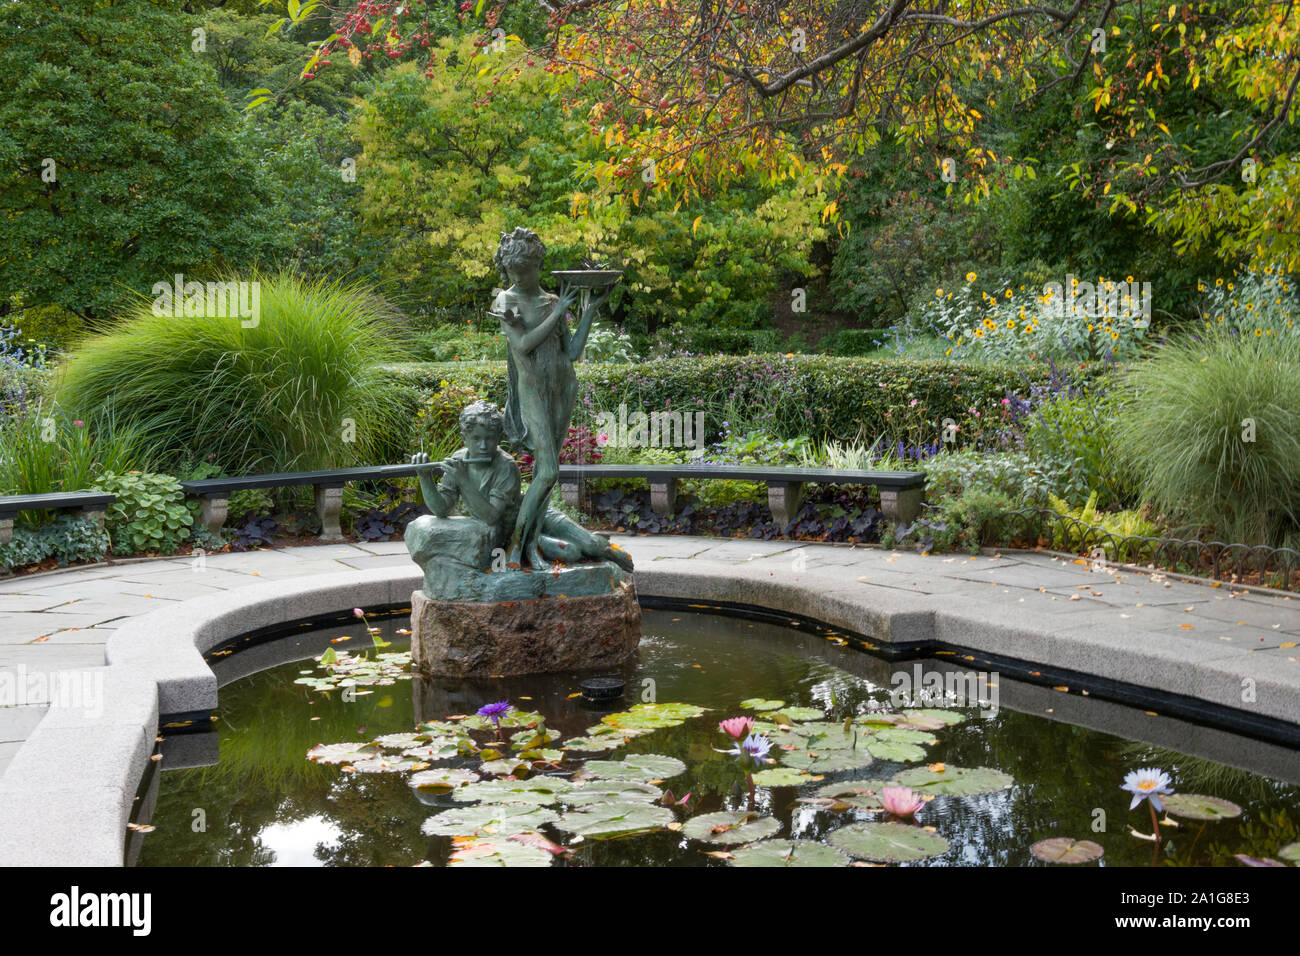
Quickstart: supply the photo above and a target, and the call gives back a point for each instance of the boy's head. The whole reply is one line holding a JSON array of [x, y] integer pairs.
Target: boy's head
[[480, 428], [518, 248]]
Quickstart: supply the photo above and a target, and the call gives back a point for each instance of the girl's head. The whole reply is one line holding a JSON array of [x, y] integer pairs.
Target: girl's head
[[521, 248]]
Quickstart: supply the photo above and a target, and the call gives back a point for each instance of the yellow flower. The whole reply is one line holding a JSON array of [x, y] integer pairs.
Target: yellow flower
[[1230, 286], [1008, 293], [1114, 335], [971, 277], [1218, 282], [949, 352], [1258, 333], [1200, 287], [1249, 306], [938, 292], [1011, 323], [1128, 279], [1022, 288]]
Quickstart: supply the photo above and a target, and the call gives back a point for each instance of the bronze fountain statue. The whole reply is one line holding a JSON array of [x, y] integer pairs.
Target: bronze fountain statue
[[513, 586]]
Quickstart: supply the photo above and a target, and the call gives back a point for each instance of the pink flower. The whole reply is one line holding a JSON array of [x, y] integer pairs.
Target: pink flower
[[737, 727], [602, 439], [900, 801], [357, 612], [1006, 401], [78, 423], [915, 401]]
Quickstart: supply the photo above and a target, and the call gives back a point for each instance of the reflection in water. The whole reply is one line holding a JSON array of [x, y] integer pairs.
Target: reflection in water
[[266, 804]]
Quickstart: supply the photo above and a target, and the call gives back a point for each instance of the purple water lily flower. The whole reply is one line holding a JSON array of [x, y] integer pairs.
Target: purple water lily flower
[[755, 747], [493, 712]]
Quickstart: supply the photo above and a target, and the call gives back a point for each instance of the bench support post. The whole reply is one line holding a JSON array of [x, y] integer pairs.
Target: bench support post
[[212, 512], [784, 499], [901, 506], [663, 495], [329, 503], [6, 529], [573, 492]]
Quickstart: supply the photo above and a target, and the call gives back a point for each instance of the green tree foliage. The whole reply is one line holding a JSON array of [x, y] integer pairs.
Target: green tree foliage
[[453, 160], [119, 164]]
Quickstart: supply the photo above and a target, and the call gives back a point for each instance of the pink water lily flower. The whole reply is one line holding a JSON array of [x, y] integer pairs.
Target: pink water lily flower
[[900, 801], [737, 727]]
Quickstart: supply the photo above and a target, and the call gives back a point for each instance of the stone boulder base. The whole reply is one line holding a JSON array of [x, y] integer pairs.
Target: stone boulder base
[[508, 638]]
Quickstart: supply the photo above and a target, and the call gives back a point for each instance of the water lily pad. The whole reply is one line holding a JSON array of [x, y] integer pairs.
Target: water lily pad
[[541, 791], [828, 761], [437, 779], [532, 738], [788, 853], [822, 735], [947, 717], [594, 744], [1195, 806], [1066, 850], [800, 713], [888, 842], [1290, 852], [547, 756], [863, 794], [498, 852], [897, 752], [342, 753], [954, 781], [400, 741], [730, 826], [493, 819], [782, 777], [602, 791], [758, 703], [388, 763], [645, 717], [637, 767], [437, 750], [503, 766], [614, 818], [902, 735]]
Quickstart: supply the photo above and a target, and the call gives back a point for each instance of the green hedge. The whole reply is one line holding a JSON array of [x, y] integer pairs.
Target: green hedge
[[822, 397]]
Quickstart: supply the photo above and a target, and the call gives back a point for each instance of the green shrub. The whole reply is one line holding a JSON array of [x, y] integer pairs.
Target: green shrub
[[1024, 479], [955, 521], [149, 514], [67, 539], [1210, 430], [850, 342], [46, 450], [458, 343], [300, 390], [821, 398], [1080, 430]]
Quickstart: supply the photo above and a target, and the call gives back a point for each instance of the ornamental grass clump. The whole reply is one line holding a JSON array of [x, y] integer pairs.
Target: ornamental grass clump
[[1209, 429], [300, 389]]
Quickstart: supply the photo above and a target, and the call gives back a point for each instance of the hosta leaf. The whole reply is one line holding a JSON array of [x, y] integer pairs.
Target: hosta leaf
[[1195, 806], [954, 781], [637, 767], [443, 778], [495, 819], [614, 818], [1066, 850], [888, 842], [730, 826], [788, 853]]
